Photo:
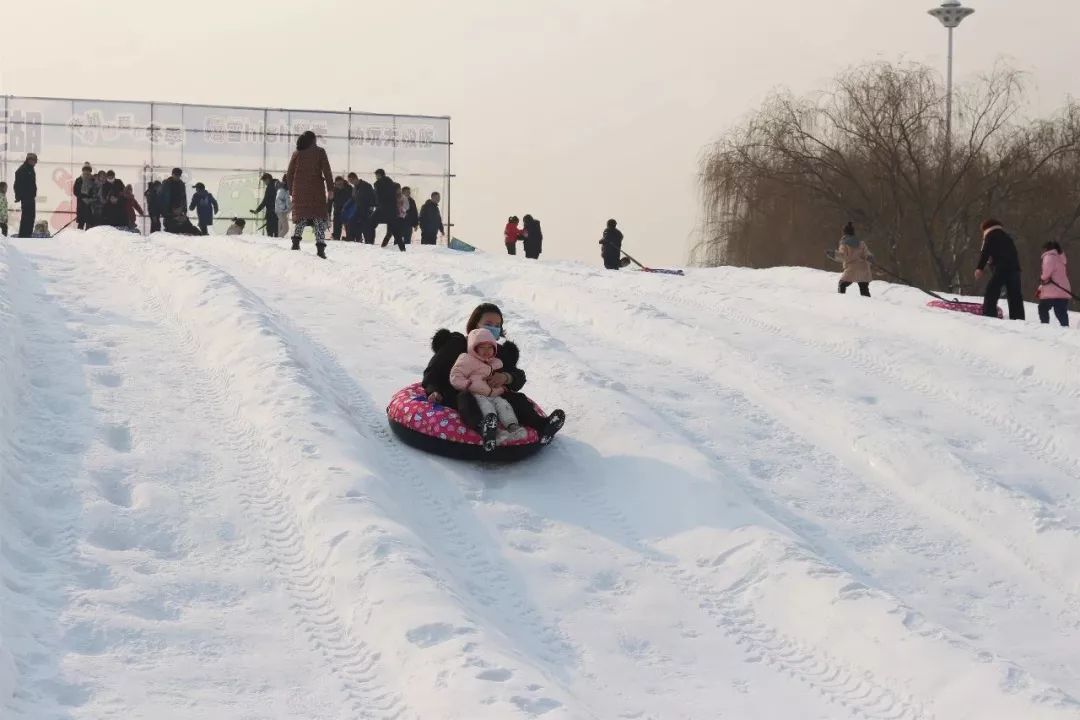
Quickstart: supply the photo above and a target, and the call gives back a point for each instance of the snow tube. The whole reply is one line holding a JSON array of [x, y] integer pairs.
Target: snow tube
[[957, 306], [438, 429]]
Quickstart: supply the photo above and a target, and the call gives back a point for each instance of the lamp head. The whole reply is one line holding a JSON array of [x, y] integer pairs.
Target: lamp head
[[951, 13]]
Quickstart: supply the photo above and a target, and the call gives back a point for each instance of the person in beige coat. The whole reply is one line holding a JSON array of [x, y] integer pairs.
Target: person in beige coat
[[856, 258]]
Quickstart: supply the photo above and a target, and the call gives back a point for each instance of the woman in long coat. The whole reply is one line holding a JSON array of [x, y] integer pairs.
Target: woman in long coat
[[856, 257], [310, 184]]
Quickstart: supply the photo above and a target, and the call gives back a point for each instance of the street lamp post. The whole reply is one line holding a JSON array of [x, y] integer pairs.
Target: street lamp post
[[950, 14]]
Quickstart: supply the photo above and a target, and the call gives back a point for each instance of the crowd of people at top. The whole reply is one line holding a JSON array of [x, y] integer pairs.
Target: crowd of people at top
[[999, 257]]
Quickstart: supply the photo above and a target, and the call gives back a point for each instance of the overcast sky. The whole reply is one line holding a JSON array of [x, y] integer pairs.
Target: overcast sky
[[572, 110]]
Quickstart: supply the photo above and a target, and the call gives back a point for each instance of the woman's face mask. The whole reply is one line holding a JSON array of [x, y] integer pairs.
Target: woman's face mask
[[495, 330]]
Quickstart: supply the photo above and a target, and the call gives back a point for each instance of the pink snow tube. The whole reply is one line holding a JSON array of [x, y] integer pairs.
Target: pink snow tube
[[438, 429], [957, 306]]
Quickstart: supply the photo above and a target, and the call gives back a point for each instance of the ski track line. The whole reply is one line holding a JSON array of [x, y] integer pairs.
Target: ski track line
[[369, 420], [1042, 518], [765, 639], [43, 436], [464, 289], [972, 523], [351, 661], [857, 691], [851, 689], [1040, 443]]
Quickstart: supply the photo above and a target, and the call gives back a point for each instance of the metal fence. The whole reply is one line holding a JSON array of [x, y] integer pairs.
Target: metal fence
[[227, 148]]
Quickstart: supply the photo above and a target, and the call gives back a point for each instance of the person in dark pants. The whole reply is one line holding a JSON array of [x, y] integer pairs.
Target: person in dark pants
[[532, 241], [1054, 291], [153, 205], [26, 194], [999, 250], [385, 204], [3, 209], [511, 234], [173, 198], [412, 216], [341, 194], [268, 204], [431, 224], [84, 189], [611, 246], [206, 207], [363, 195]]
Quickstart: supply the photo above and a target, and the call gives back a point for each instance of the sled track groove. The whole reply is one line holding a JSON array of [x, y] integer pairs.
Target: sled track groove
[[474, 562], [348, 659], [970, 524], [1039, 443], [857, 691]]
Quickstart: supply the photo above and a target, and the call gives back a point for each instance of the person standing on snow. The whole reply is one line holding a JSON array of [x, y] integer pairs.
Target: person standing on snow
[[856, 258], [1054, 291], [282, 206], [153, 205], [532, 240], [83, 189], [26, 194], [340, 195], [611, 246], [132, 208], [205, 206], [269, 205], [511, 234], [310, 183], [412, 217], [431, 224], [3, 209], [173, 201], [385, 204], [361, 228], [999, 250]]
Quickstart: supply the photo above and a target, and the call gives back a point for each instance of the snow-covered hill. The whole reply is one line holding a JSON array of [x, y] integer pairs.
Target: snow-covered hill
[[769, 501]]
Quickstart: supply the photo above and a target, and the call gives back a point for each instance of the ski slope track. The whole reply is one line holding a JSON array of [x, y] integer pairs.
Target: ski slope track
[[769, 502]]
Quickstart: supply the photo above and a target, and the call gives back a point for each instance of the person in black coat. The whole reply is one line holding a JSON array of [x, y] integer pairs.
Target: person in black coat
[[611, 246], [173, 196], [431, 224], [335, 206], [532, 237], [153, 205], [26, 194], [83, 189], [385, 204], [448, 345], [999, 251], [268, 204], [363, 195]]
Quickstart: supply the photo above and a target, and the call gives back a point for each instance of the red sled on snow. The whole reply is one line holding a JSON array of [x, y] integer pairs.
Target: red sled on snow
[[965, 307]]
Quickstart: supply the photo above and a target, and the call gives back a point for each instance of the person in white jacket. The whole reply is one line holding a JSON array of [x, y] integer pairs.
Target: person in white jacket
[[282, 206]]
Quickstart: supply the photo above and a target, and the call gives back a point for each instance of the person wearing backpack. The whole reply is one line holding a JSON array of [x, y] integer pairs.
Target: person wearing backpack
[[339, 197], [204, 204]]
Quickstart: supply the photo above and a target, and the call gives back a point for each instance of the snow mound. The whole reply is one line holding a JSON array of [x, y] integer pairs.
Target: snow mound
[[766, 496]]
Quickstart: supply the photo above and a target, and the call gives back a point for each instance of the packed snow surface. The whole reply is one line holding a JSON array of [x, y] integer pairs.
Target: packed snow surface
[[769, 501]]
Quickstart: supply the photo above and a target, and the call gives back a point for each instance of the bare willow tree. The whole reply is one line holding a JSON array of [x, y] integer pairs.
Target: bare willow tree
[[873, 149]]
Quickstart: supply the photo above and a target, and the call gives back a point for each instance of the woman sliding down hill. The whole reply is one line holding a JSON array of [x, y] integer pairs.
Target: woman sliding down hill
[[448, 346], [856, 257]]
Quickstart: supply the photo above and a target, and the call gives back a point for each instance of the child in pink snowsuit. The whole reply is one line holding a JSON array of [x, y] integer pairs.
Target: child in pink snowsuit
[[470, 374]]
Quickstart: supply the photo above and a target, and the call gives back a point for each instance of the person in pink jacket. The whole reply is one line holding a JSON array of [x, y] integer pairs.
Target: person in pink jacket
[[470, 374], [1054, 289]]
